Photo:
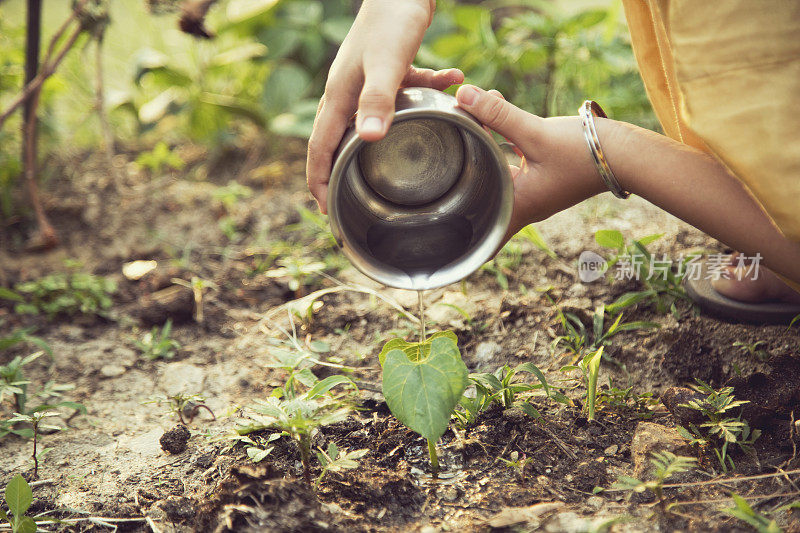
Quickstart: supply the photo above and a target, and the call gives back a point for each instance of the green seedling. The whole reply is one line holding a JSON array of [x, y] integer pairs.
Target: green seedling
[[517, 464], [745, 513], [531, 234], [299, 417], [185, 406], [258, 447], [156, 343], [231, 194], [335, 460], [617, 398], [754, 349], [35, 421], [722, 429], [589, 368], [502, 387], [422, 383], [23, 335], [301, 272], [159, 158], [13, 384], [302, 405], [19, 498], [665, 465], [61, 293], [579, 340], [662, 282], [198, 286]]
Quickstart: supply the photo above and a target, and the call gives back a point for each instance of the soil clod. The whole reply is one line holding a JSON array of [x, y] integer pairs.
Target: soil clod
[[175, 440]]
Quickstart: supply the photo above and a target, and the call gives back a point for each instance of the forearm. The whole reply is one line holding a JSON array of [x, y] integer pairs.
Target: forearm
[[696, 188]]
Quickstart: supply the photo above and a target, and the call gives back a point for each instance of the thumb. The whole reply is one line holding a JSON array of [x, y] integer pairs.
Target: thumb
[[493, 111]]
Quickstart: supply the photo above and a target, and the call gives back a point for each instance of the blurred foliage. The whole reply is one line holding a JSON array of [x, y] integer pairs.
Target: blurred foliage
[[547, 57], [265, 69]]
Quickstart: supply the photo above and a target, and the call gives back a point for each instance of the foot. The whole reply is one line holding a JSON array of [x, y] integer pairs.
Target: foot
[[766, 286]]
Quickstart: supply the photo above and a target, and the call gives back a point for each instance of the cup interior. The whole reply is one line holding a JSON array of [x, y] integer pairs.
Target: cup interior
[[425, 206]]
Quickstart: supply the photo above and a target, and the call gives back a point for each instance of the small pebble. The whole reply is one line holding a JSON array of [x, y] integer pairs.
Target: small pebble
[[112, 371], [611, 450]]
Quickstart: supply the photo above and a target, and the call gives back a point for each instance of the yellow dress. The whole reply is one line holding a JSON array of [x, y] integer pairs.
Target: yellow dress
[[724, 77]]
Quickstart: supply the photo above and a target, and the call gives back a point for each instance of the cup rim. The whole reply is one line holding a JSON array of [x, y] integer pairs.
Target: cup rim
[[480, 252]]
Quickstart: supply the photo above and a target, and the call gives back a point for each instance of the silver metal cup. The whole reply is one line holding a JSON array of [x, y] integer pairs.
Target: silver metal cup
[[427, 205]]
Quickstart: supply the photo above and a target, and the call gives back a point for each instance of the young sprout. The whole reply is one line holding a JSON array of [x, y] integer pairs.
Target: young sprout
[[720, 425], [156, 343], [665, 465], [335, 460], [198, 286], [35, 420]]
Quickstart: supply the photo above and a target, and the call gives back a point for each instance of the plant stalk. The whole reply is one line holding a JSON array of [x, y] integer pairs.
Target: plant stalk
[[434, 458], [594, 372], [35, 441], [305, 447]]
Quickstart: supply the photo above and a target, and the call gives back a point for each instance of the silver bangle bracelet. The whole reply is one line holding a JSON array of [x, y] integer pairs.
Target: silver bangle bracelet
[[588, 111]]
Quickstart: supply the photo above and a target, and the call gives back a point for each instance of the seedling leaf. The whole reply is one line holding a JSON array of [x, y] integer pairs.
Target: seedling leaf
[[608, 238], [26, 525], [19, 496], [328, 383], [414, 350], [423, 383]]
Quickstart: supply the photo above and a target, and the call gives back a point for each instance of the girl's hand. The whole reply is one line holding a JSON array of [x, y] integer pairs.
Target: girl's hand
[[373, 62], [556, 171]]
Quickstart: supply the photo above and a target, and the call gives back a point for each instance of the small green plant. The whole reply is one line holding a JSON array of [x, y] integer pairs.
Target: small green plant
[[13, 382], [21, 336], [721, 429], [14, 385], [298, 417], [298, 408], [509, 258], [19, 498], [578, 339], [300, 271], [198, 286], [35, 420], [517, 463], [754, 349], [184, 406], [617, 398], [156, 344], [63, 293], [589, 368], [230, 194], [422, 383], [502, 387], [159, 158], [661, 277], [745, 513], [665, 465], [335, 460]]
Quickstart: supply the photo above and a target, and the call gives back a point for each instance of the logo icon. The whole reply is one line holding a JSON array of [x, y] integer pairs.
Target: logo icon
[[591, 266]]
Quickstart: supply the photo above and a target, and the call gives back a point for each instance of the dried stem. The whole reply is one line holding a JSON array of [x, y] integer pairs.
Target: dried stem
[[35, 441], [49, 65], [105, 127]]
